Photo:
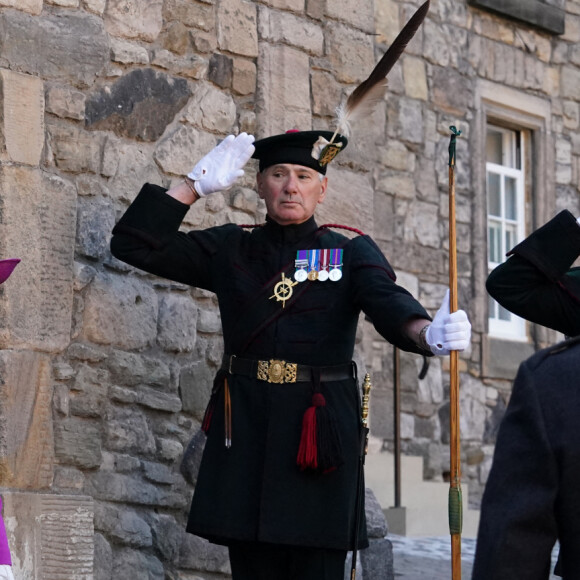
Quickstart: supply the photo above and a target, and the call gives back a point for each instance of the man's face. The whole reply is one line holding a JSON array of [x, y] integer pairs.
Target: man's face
[[291, 192]]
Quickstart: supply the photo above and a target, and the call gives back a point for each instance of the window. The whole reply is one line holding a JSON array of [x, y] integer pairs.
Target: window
[[505, 216]]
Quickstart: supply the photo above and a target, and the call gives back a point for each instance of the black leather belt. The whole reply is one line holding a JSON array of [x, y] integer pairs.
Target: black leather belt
[[280, 371]]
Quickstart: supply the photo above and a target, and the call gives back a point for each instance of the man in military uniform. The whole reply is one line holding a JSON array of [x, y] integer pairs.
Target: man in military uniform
[[538, 281], [277, 482], [532, 496]]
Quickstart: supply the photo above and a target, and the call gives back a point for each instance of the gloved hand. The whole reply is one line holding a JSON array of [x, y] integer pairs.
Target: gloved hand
[[448, 331], [220, 168]]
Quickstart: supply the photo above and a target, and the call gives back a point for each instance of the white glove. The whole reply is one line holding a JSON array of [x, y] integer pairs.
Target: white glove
[[578, 221], [448, 331], [220, 168]]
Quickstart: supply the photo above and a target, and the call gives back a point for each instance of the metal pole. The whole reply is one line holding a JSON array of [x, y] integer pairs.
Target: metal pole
[[397, 423]]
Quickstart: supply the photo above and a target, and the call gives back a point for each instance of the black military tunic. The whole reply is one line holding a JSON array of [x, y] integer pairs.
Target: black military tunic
[[254, 491], [537, 282], [532, 496]]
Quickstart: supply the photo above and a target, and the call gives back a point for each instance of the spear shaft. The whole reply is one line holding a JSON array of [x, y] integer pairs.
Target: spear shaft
[[455, 499]]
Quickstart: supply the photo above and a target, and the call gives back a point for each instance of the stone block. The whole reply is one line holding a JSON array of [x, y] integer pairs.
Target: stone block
[[95, 221], [326, 93], [221, 70], [140, 105], [194, 14], [158, 473], [30, 6], [127, 430], [357, 13], [103, 567], [132, 369], [121, 312], [237, 27], [203, 42], [376, 522], [69, 47], [349, 201], [195, 384], [120, 488], [283, 91], [387, 21], [64, 3], [127, 52], [169, 449], [38, 225], [189, 65], [88, 395], [176, 153], [176, 38], [73, 149], [415, 78], [26, 431], [22, 119], [350, 52], [78, 442], [122, 525], [65, 102], [198, 554], [451, 91], [154, 399], [397, 183], [129, 563], [377, 560], [177, 323], [129, 166], [141, 19], [244, 77], [286, 28], [48, 533], [292, 5], [167, 534], [211, 109]]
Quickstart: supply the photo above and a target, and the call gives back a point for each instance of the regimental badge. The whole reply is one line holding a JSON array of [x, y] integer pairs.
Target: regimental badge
[[325, 151], [329, 153], [283, 290]]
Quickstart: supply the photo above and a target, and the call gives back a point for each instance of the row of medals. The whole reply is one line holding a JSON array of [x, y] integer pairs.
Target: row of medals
[[308, 268]]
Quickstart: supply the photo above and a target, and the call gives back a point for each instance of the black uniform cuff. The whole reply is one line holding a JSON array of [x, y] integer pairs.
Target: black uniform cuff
[[554, 247]]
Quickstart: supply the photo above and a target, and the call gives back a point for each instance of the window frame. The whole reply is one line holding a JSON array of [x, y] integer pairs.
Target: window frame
[[497, 104], [515, 327]]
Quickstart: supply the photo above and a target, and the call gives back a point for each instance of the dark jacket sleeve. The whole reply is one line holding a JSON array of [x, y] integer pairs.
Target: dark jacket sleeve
[[147, 236], [388, 305], [518, 527], [537, 281]]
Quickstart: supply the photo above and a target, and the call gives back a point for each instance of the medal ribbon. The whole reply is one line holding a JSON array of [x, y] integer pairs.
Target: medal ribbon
[[324, 259]]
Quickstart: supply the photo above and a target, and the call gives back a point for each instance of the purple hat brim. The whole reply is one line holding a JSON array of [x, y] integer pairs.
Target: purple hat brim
[[7, 267]]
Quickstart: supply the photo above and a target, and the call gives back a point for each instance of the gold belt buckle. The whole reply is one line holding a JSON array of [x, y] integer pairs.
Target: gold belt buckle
[[277, 371]]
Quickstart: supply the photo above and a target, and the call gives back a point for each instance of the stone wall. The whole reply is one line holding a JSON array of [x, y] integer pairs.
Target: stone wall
[[106, 370]]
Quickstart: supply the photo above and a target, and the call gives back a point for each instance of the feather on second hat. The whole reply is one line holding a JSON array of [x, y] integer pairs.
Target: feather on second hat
[[309, 148]]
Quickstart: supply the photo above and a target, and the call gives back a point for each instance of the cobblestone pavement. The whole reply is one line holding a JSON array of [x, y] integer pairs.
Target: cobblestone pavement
[[430, 558]]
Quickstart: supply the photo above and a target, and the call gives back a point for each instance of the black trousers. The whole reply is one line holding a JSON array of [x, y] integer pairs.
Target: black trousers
[[259, 561]]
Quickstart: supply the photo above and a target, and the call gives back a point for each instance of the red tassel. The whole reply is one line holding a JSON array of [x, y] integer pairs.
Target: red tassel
[[308, 450], [205, 425]]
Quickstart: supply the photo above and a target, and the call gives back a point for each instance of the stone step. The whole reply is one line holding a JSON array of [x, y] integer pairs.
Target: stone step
[[424, 510]]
